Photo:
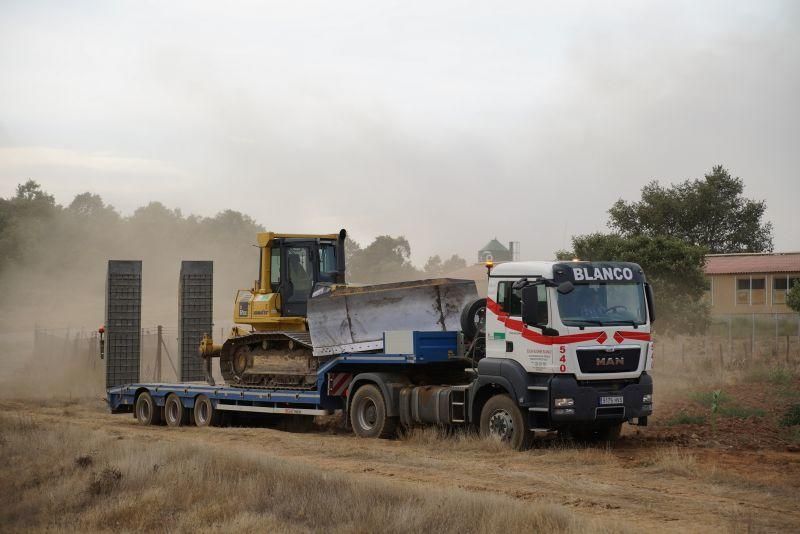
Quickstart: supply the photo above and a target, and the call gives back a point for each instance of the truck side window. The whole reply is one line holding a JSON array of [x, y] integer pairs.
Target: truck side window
[[541, 304], [508, 299]]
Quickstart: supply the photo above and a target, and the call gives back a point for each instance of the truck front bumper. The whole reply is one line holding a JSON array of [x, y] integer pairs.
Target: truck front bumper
[[600, 400]]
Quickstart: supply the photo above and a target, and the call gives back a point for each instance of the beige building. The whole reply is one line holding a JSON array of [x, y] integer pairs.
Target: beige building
[[751, 283]]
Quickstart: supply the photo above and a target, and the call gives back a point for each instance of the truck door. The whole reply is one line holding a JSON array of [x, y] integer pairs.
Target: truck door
[[500, 340], [299, 265]]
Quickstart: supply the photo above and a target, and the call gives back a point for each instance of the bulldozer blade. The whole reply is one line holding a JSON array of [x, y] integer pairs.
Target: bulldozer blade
[[353, 319]]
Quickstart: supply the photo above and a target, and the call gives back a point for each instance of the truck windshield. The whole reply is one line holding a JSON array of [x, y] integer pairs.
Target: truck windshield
[[603, 304]]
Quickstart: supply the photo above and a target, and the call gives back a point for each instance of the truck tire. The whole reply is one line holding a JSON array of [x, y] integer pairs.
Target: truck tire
[[473, 318], [174, 412], [147, 412], [503, 419], [204, 412], [368, 414]]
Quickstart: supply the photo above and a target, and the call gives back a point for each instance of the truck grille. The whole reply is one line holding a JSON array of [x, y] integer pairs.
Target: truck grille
[[603, 361]]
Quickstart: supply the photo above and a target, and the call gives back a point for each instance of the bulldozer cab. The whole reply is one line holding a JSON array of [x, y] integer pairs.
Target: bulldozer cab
[[298, 272], [293, 264]]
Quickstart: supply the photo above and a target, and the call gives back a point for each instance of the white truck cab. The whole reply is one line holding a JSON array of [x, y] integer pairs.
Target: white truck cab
[[572, 340]]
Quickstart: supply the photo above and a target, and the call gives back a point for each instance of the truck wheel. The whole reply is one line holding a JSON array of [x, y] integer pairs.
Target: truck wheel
[[174, 412], [147, 412], [368, 414], [502, 419], [473, 318], [204, 412]]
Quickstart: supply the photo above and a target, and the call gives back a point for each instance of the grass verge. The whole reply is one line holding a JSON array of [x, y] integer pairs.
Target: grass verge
[[57, 478]]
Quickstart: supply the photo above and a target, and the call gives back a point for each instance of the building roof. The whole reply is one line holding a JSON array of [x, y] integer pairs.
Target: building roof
[[495, 246], [779, 262]]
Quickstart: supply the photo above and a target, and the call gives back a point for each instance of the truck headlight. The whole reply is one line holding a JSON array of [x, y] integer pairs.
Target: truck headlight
[[647, 399], [560, 403]]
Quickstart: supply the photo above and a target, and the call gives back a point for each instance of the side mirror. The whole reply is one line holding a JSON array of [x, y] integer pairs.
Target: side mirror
[[651, 307], [565, 287], [530, 306], [519, 284]]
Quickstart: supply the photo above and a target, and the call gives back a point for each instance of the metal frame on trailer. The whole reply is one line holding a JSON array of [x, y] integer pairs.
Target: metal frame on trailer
[[123, 321], [195, 306]]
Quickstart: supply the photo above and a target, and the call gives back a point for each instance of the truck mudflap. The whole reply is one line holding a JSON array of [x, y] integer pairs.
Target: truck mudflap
[[607, 400]]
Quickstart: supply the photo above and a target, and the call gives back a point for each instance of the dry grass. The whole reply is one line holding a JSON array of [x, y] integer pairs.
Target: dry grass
[[62, 479], [673, 461]]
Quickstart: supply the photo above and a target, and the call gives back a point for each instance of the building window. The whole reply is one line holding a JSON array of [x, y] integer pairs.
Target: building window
[[758, 291], [780, 285], [743, 290], [709, 289]]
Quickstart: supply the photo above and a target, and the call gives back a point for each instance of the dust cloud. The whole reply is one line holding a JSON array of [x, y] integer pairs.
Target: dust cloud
[[52, 282]]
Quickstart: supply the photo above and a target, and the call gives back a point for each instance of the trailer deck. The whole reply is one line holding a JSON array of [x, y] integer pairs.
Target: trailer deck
[[416, 348]]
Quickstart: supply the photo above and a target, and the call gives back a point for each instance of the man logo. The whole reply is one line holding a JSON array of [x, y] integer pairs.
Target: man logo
[[613, 361]]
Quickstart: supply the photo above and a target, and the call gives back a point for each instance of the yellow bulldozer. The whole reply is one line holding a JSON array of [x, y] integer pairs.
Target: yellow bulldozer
[[300, 313]]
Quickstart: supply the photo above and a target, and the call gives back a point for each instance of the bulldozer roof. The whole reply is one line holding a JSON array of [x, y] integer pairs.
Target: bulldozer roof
[[264, 238]]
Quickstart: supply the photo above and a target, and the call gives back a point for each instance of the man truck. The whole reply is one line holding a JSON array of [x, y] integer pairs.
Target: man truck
[[555, 346]]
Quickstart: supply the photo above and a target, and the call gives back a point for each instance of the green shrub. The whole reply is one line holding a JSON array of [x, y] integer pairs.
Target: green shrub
[[792, 416], [776, 375], [684, 418], [707, 398], [740, 412]]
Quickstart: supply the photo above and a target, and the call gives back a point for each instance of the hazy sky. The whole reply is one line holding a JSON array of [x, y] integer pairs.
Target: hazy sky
[[447, 122]]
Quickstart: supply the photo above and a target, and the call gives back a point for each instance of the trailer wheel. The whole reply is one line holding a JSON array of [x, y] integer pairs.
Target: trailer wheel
[[368, 414], [147, 412], [473, 318], [174, 412], [204, 412], [502, 418]]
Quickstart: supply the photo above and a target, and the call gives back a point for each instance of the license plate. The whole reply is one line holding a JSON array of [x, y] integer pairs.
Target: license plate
[[611, 400]]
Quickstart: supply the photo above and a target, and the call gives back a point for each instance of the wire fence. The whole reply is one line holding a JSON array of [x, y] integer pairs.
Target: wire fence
[[67, 360]]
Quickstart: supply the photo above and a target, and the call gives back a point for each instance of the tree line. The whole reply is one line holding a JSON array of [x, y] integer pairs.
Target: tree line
[[50, 254]]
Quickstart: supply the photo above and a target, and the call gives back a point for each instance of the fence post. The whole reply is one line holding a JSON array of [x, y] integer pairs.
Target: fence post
[[730, 336], [753, 336], [158, 353], [777, 347]]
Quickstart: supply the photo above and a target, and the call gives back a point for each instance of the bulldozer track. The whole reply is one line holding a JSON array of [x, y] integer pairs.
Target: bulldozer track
[[293, 350]]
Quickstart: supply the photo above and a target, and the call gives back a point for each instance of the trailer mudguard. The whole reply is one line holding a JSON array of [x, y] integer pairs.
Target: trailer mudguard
[[390, 385]]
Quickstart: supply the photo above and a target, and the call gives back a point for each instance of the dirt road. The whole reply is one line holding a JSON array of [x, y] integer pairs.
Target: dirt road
[[641, 484]]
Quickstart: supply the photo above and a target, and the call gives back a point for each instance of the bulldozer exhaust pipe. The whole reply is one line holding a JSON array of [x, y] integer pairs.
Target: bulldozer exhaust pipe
[[340, 263]]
